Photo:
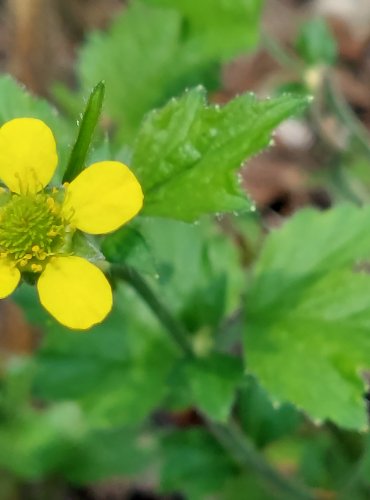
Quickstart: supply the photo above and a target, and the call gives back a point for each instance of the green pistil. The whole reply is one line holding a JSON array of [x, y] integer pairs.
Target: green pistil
[[32, 229]]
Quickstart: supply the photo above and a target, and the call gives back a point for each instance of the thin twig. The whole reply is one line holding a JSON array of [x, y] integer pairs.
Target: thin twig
[[281, 54], [346, 114]]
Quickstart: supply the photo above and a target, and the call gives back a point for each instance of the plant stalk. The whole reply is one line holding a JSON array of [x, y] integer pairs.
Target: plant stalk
[[229, 436], [168, 321]]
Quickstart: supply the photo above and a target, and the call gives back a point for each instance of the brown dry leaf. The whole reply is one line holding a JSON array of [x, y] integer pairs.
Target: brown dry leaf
[[43, 36], [269, 179]]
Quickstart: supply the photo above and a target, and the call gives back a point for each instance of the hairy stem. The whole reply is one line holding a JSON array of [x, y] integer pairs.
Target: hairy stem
[[170, 323]]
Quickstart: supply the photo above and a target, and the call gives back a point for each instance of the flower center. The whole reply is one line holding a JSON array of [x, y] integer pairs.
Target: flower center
[[32, 228]]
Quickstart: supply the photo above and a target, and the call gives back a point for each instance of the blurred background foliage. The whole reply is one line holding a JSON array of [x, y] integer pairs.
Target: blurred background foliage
[[121, 412]]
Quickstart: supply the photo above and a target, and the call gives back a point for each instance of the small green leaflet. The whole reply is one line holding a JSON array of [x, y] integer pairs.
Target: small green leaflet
[[307, 334], [85, 134], [209, 384], [187, 154], [315, 43]]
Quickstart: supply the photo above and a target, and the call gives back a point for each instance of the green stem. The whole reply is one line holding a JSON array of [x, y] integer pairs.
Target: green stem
[[281, 55], [170, 323], [229, 436], [247, 457], [346, 115]]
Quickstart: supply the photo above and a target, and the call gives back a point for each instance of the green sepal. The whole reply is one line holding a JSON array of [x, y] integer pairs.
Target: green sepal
[[84, 246], [128, 246], [87, 127]]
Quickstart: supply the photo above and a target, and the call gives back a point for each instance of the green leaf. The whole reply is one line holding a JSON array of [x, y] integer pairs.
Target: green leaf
[[56, 438], [316, 44], [262, 421], [212, 384], [109, 453], [217, 29], [117, 373], [188, 453], [242, 486], [37, 443], [364, 466], [182, 46], [186, 154], [307, 332], [134, 85], [85, 133], [198, 270], [15, 385]]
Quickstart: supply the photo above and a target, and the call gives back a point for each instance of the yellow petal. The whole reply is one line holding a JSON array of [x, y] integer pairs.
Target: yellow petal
[[28, 156], [103, 197], [75, 292], [9, 278]]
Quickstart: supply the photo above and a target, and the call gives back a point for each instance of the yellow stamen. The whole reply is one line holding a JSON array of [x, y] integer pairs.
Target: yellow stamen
[[50, 201], [53, 232], [36, 268]]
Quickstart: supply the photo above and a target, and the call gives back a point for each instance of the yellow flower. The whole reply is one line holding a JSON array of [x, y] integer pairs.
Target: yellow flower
[[37, 224]]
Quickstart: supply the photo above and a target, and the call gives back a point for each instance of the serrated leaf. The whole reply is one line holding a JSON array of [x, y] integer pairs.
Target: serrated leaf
[[134, 85], [186, 154], [215, 28], [261, 421], [307, 333], [213, 382], [209, 384], [175, 57], [185, 453]]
